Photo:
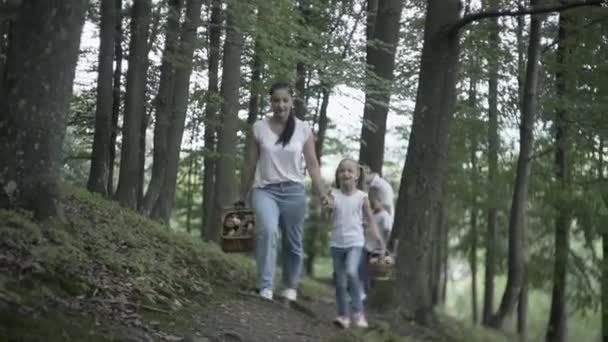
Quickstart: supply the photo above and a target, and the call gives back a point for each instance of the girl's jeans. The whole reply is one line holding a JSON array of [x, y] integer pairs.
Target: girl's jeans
[[279, 205], [346, 264]]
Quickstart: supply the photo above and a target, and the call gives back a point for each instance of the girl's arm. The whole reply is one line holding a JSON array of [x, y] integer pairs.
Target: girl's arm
[[367, 215], [312, 164], [251, 160]]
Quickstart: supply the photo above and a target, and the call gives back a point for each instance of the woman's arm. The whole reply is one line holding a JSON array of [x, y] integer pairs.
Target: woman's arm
[[251, 160], [312, 164]]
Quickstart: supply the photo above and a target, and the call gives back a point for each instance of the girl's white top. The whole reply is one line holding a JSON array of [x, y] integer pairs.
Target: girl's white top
[[383, 222], [348, 219], [277, 164]]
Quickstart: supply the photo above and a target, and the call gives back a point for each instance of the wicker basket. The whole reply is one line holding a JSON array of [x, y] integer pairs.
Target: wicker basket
[[381, 270], [238, 237]]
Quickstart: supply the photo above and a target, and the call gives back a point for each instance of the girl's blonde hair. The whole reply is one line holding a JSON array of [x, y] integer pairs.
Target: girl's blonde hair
[[362, 173]]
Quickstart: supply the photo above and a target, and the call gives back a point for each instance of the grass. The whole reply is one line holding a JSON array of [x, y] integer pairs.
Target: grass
[[49, 271]]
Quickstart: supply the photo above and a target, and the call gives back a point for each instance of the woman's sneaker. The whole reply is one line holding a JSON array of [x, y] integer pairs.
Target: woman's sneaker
[[290, 294], [266, 294], [342, 322], [359, 320]]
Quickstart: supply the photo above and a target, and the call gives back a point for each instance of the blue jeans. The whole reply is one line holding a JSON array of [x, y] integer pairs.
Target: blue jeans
[[346, 264], [364, 270], [281, 205]]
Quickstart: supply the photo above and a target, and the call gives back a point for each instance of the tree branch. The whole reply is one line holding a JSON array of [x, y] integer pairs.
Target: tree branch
[[492, 14]]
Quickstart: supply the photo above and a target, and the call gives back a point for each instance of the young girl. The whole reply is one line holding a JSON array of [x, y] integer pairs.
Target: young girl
[[350, 208]]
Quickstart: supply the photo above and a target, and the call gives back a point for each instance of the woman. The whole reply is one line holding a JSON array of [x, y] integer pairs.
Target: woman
[[275, 177]]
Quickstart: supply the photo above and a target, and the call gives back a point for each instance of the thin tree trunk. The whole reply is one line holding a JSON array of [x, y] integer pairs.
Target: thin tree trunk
[[472, 102], [423, 175], [211, 109], [129, 175], [517, 220], [189, 193], [473, 263], [163, 106], [33, 107], [380, 66], [255, 91], [436, 259], [164, 205], [100, 156], [493, 147], [116, 81], [557, 326], [313, 230], [443, 281], [301, 67], [522, 311], [225, 177]]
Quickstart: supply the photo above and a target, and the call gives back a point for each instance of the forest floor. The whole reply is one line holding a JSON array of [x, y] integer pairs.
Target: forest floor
[[108, 274]]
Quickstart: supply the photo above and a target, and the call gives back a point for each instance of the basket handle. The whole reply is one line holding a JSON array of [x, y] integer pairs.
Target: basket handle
[[239, 204]]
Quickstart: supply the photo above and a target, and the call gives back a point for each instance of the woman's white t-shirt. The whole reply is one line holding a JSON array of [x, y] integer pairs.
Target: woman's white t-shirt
[[348, 219], [277, 163]]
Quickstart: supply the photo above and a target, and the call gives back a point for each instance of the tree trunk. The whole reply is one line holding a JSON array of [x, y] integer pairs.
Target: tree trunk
[[129, 175], [380, 66], [211, 109], [117, 76], [301, 68], [436, 258], [225, 177], [314, 229], [556, 329], [424, 171], [493, 147], [100, 156], [517, 222], [5, 34], [163, 206], [522, 312], [255, 91], [163, 106], [33, 106], [473, 263]]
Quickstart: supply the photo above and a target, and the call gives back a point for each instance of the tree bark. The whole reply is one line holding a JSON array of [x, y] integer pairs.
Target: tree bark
[[100, 156], [557, 329], [493, 147], [380, 66], [117, 80], [129, 175], [522, 311], [211, 109], [517, 222], [163, 106], [424, 171], [34, 103], [225, 177], [164, 205]]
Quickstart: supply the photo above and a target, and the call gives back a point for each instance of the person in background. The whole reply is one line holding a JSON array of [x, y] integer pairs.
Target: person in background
[[274, 176], [382, 220], [373, 180]]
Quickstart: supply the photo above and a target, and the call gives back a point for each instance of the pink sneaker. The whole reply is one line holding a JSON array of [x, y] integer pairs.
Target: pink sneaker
[[359, 320], [342, 322]]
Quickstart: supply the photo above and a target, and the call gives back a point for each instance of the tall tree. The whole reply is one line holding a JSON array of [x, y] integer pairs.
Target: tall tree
[[422, 178], [116, 81], [100, 156], [380, 64], [35, 100], [225, 177], [187, 43], [163, 105], [492, 153], [211, 108], [515, 274], [129, 175], [556, 329]]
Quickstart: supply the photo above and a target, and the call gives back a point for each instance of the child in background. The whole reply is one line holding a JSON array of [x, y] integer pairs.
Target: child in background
[[382, 219], [350, 208]]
